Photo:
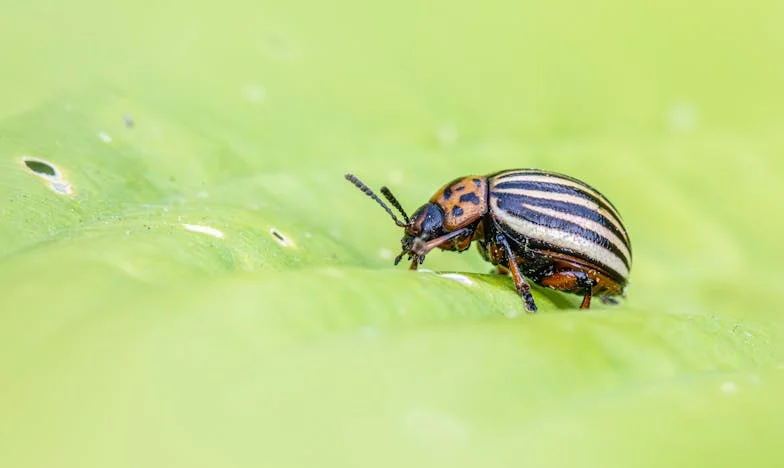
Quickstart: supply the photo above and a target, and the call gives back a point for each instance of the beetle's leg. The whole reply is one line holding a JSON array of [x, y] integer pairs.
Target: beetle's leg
[[421, 248], [522, 286], [586, 304], [573, 281], [608, 300], [586, 285], [500, 270]]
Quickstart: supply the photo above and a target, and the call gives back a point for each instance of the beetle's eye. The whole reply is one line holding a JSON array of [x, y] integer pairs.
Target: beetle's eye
[[431, 220]]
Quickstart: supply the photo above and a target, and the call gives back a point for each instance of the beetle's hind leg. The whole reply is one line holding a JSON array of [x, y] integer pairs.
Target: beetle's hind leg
[[573, 281], [522, 286], [586, 304], [586, 284]]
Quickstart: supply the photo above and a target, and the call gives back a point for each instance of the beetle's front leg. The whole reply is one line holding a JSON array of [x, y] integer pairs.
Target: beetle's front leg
[[522, 286], [420, 248]]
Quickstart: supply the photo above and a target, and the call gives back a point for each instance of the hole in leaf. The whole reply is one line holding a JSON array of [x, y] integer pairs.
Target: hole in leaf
[[49, 172], [41, 168]]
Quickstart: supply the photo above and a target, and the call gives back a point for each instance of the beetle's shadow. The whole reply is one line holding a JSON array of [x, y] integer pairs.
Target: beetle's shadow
[[504, 282]]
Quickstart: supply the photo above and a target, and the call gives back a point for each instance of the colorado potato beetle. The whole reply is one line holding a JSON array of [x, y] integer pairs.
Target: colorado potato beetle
[[551, 228]]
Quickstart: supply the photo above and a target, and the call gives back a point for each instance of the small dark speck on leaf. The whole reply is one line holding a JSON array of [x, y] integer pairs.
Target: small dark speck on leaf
[[281, 239]]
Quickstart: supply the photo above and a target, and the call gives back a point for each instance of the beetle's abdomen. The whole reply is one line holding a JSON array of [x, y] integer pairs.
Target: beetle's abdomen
[[558, 213], [463, 200]]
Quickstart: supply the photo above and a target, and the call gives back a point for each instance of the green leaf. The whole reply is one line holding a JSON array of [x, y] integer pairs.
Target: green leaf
[[189, 281]]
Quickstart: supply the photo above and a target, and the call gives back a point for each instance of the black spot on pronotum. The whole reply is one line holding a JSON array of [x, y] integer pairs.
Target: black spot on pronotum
[[447, 193], [469, 198], [459, 188], [457, 211], [41, 168], [477, 182]]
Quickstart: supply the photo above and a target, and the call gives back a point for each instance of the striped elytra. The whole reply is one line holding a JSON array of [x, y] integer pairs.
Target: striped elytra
[[553, 229], [560, 212]]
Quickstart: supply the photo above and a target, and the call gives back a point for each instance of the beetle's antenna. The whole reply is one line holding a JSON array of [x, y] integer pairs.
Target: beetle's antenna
[[391, 198], [361, 185]]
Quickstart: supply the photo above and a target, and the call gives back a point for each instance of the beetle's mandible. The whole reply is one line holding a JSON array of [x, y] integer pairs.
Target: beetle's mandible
[[555, 230]]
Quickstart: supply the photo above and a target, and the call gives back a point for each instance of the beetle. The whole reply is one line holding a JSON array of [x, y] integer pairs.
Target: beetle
[[553, 229]]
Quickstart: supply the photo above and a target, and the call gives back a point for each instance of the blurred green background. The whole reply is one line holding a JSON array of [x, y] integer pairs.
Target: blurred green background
[[153, 317]]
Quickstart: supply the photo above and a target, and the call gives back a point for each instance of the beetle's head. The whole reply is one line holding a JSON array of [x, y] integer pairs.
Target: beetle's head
[[426, 224]]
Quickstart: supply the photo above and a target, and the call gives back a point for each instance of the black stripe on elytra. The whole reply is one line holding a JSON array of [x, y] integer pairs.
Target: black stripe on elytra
[[552, 175], [564, 207], [469, 197], [555, 187], [510, 206]]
